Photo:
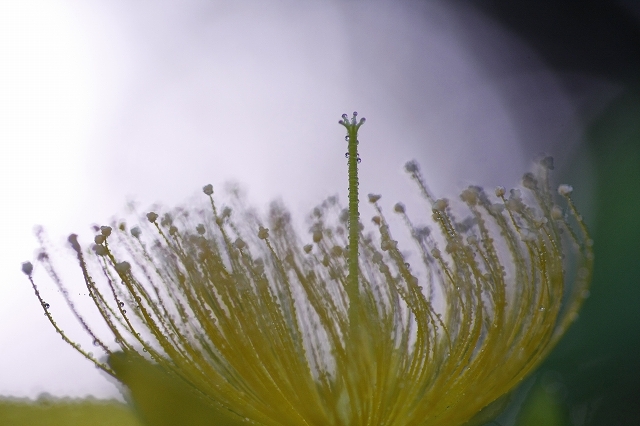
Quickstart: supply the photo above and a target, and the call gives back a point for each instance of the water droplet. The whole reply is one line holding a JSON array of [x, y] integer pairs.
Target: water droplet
[[96, 343], [45, 305], [542, 309], [121, 304]]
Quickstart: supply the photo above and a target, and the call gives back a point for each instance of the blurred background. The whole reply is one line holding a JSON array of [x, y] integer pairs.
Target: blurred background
[[105, 102]]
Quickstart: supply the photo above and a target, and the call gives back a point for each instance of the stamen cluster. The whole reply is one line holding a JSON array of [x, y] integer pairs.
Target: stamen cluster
[[260, 325]]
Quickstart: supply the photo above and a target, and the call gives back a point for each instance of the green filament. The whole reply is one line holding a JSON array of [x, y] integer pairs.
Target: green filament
[[352, 127]]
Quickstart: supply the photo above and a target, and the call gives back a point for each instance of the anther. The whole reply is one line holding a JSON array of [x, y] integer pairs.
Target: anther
[[556, 213], [441, 205], [469, 196], [373, 198], [412, 167], [105, 230], [27, 268], [529, 182], [263, 233], [547, 163], [240, 244], [565, 190], [73, 240], [122, 267], [152, 217], [100, 250], [208, 189]]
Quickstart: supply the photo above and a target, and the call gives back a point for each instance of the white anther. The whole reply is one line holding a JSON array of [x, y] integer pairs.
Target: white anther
[[441, 205], [565, 190]]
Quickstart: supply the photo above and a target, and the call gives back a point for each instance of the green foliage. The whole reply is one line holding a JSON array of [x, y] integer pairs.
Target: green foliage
[[60, 412], [542, 408]]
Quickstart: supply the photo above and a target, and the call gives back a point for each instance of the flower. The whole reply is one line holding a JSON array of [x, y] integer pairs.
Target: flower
[[264, 329]]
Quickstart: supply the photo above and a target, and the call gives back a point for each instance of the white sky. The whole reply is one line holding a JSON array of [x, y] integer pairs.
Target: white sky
[[101, 101]]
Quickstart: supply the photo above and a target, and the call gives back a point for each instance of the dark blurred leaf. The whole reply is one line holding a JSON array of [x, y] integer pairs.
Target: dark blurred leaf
[[491, 411], [163, 399]]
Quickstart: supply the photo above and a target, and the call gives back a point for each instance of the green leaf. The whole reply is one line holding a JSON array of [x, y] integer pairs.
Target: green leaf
[[163, 399]]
